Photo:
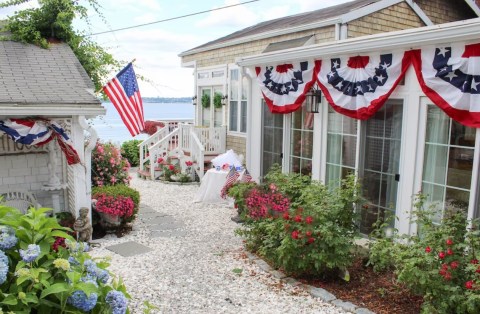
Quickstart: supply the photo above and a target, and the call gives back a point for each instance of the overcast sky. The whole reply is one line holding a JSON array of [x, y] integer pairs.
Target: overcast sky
[[156, 47]]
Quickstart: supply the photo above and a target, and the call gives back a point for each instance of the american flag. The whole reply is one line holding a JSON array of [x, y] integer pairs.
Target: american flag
[[232, 176], [123, 92], [246, 176]]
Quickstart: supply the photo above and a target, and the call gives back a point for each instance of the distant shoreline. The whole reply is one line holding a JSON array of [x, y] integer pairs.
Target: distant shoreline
[[163, 100]]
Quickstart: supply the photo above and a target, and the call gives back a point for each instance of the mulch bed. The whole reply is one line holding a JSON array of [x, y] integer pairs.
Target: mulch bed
[[376, 291]]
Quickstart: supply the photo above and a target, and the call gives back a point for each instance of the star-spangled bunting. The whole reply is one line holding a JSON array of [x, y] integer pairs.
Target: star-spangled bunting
[[450, 77], [284, 86], [232, 176], [358, 86], [123, 92], [40, 132]]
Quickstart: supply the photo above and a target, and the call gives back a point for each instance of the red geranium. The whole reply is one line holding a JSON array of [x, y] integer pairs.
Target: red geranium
[[428, 249], [298, 218], [295, 234], [469, 285], [441, 255], [309, 220]]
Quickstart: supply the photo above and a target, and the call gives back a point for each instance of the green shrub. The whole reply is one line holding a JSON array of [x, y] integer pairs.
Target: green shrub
[[119, 190], [297, 224], [131, 152], [40, 274], [440, 263]]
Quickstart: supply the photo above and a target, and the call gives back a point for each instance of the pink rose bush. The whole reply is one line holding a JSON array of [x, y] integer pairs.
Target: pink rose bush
[[108, 166], [116, 206]]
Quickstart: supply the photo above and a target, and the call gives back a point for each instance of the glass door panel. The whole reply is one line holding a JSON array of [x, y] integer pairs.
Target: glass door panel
[[381, 163], [217, 105], [272, 139], [205, 102]]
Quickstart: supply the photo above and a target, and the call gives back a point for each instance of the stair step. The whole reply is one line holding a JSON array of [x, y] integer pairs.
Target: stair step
[[143, 174]]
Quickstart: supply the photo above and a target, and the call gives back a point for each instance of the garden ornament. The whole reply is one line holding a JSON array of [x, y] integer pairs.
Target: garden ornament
[[82, 226]]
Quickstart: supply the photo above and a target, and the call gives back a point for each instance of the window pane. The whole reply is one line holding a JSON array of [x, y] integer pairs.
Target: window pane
[[437, 126], [460, 166], [234, 84], [243, 119], [460, 137], [349, 150], [334, 148], [435, 163], [233, 122]]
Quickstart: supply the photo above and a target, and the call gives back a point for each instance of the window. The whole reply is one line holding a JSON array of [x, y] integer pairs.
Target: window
[[238, 103], [448, 162], [301, 142], [341, 147]]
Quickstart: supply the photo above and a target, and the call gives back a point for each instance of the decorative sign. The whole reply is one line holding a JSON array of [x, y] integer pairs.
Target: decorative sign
[[9, 147]]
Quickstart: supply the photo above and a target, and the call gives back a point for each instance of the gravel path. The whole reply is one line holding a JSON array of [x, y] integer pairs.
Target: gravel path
[[202, 270]]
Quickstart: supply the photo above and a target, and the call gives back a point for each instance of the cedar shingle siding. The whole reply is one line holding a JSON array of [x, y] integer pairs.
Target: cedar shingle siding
[[446, 11], [228, 54], [394, 18]]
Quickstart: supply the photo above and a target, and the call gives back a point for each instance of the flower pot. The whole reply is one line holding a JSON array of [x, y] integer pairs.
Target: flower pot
[[110, 220]]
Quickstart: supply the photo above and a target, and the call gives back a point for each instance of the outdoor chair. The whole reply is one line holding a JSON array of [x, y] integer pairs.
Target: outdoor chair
[[22, 200]]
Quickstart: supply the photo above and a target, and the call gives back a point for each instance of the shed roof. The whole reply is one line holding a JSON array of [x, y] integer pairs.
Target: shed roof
[[33, 75], [289, 22]]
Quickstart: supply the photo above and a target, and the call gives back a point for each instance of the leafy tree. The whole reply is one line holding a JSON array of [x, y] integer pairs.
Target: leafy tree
[[52, 21]]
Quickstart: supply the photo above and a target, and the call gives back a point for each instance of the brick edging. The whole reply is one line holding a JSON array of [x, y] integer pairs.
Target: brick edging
[[315, 292]]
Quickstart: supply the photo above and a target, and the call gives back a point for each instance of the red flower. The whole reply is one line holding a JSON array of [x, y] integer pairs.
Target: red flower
[[286, 216], [469, 285], [454, 264], [449, 251], [311, 240], [308, 233], [235, 205], [478, 270], [188, 163], [474, 261], [428, 249], [441, 255], [160, 160], [448, 276], [442, 272], [309, 220], [298, 218], [273, 187], [449, 241], [295, 234], [171, 167]]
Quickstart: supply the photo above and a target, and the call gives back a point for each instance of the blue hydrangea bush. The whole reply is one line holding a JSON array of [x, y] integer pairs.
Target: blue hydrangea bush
[[39, 277]]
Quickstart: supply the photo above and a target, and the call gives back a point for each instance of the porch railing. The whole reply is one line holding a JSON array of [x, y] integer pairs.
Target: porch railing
[[197, 153]]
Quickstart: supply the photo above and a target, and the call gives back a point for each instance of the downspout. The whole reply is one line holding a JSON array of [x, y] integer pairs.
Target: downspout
[[88, 154]]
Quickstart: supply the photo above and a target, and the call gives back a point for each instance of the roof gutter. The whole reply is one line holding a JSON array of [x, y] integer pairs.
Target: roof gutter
[[406, 39], [246, 39]]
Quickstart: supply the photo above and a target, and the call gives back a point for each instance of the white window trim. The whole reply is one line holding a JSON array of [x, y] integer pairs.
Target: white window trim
[[241, 75]]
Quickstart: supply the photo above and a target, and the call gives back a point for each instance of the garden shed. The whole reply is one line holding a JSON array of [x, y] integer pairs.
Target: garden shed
[[404, 139], [46, 98]]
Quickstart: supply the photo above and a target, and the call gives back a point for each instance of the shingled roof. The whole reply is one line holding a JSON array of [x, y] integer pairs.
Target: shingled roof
[[288, 22], [33, 75]]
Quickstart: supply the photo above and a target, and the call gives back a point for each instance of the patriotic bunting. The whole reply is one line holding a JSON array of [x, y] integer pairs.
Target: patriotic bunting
[[450, 76], [284, 86], [358, 86], [40, 132]]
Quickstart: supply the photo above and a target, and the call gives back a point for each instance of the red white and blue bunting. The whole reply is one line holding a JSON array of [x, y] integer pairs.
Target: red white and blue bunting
[[284, 86], [358, 86], [39, 132], [450, 76]]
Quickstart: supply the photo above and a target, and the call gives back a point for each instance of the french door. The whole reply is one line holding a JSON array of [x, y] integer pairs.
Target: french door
[[272, 139], [382, 136]]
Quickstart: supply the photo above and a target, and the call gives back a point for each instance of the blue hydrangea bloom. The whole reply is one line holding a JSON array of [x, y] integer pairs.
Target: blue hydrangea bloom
[[30, 254], [89, 279], [3, 258], [103, 275], [80, 300], [3, 267], [7, 238], [73, 261], [117, 302]]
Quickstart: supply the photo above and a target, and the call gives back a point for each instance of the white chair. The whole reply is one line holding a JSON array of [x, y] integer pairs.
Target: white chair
[[22, 200]]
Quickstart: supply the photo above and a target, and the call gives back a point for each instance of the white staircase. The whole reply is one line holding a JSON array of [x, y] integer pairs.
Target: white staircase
[[182, 142]]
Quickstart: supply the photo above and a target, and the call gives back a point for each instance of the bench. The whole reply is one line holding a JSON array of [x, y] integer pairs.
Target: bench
[[22, 200]]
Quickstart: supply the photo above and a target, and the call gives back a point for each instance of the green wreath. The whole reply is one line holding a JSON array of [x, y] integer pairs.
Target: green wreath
[[217, 100], [206, 101]]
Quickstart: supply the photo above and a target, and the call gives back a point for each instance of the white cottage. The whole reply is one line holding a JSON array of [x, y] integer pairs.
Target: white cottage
[[400, 104], [49, 91]]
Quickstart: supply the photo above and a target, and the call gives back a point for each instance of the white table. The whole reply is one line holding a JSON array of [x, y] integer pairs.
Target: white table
[[211, 186]]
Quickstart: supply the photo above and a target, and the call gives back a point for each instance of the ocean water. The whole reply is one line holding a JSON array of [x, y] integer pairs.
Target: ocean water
[[110, 127]]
